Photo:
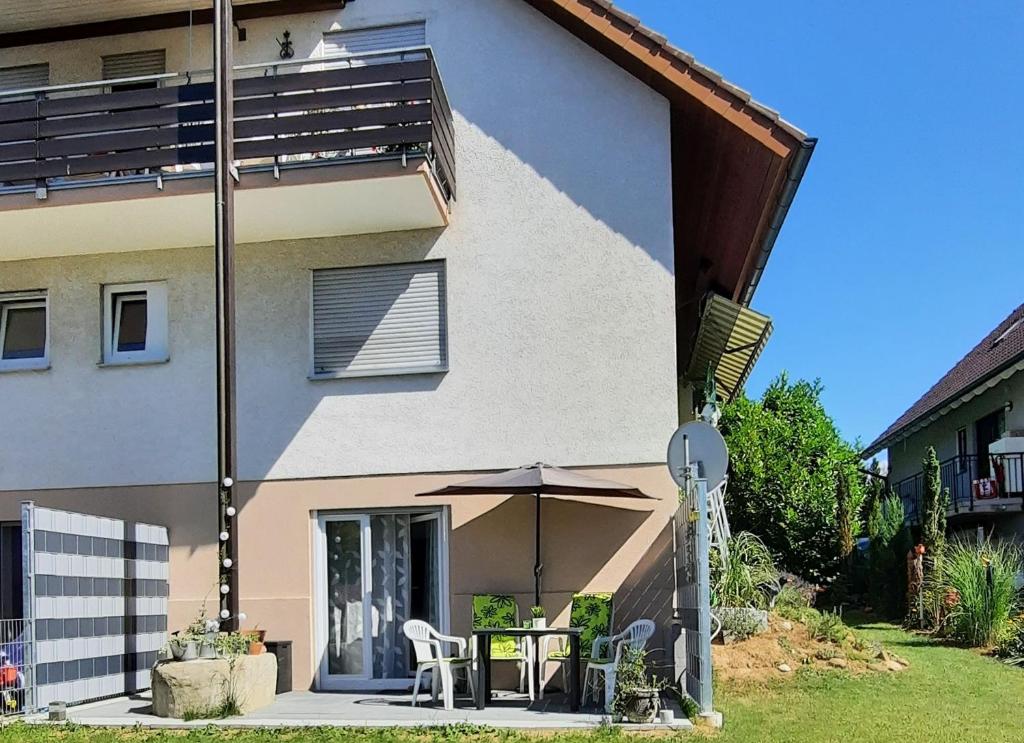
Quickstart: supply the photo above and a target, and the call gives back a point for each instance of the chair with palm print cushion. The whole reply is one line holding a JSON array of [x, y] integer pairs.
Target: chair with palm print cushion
[[500, 611], [594, 614]]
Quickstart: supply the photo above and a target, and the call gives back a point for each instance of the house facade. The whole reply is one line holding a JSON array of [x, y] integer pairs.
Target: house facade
[[974, 419], [470, 236]]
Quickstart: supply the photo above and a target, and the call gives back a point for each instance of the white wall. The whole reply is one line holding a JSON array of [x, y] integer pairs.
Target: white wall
[[561, 302], [905, 456]]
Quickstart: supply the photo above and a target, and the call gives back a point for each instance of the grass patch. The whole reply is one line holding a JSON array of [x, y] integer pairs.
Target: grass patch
[[947, 694]]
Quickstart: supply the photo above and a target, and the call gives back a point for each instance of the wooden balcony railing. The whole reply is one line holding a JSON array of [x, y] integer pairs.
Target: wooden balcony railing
[[352, 108], [958, 476]]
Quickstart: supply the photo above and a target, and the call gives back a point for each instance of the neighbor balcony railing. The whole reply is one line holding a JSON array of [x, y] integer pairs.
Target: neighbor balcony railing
[[296, 113], [959, 475]]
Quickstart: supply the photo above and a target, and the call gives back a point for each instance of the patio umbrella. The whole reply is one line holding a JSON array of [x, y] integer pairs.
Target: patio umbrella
[[538, 480]]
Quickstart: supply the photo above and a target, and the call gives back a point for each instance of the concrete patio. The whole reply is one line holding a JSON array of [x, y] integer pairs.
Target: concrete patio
[[367, 709]]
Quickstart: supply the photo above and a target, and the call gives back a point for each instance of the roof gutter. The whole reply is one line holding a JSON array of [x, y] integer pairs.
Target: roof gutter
[[786, 197]]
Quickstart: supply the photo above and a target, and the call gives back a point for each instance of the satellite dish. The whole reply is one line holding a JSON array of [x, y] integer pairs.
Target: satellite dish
[[708, 451]]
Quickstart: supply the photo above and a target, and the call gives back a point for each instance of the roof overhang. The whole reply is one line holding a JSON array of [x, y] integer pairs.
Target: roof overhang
[[730, 339], [943, 409]]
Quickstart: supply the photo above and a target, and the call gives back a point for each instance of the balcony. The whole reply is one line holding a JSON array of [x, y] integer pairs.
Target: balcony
[[959, 475], [336, 146]]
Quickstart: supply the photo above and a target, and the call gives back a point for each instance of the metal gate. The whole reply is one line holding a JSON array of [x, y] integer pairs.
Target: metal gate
[[95, 605], [693, 589]]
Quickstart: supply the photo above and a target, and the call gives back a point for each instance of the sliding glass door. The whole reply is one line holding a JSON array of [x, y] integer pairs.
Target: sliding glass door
[[374, 572]]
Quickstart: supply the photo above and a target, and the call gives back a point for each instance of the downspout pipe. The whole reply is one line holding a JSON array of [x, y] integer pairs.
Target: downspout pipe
[[789, 189]]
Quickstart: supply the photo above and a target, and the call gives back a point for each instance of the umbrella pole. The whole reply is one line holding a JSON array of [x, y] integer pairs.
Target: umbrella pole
[[537, 567]]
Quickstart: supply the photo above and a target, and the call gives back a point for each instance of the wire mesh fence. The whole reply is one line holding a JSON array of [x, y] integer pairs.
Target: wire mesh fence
[[15, 657]]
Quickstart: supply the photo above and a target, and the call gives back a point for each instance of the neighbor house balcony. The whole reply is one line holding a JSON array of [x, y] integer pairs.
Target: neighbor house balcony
[[335, 146], [976, 485]]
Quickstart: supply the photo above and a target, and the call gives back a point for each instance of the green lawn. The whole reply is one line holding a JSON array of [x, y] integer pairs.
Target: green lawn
[[947, 694]]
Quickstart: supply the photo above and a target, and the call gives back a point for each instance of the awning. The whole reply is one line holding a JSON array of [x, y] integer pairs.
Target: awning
[[730, 340]]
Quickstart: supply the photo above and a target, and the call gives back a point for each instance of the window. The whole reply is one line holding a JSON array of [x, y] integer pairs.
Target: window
[[377, 39], [374, 320], [135, 323], [24, 77], [24, 340], [134, 64]]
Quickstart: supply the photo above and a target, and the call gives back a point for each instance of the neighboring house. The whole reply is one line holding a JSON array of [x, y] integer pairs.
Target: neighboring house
[[974, 418], [523, 243]]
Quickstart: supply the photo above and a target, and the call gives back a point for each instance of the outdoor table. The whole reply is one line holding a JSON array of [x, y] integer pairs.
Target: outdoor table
[[483, 685]]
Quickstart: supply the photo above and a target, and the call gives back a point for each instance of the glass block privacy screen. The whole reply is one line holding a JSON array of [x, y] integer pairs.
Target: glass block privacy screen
[[96, 591]]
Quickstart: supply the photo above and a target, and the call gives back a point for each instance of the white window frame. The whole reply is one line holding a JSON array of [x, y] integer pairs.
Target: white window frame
[[27, 300], [156, 350]]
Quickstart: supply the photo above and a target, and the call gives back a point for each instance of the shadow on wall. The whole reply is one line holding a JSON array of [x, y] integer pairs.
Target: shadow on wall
[[600, 147]]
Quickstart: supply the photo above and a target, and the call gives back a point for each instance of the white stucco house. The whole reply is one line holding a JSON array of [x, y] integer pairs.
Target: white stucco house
[[974, 419], [470, 236]]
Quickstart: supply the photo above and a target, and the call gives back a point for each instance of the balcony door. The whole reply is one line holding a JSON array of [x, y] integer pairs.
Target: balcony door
[[986, 431], [373, 572]]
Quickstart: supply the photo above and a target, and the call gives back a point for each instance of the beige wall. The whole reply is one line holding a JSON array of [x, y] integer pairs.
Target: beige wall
[[623, 546], [189, 512]]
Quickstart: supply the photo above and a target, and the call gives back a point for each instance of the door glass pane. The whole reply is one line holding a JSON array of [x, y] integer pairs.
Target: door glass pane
[[132, 319], [25, 335], [344, 598], [389, 599]]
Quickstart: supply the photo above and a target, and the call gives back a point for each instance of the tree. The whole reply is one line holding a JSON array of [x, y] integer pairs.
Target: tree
[[787, 458], [890, 541], [933, 507]]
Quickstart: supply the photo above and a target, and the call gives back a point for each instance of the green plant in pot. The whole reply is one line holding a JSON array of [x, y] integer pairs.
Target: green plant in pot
[[637, 691], [186, 644], [539, 617]]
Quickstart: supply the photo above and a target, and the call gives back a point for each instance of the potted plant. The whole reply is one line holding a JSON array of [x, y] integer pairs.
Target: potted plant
[[637, 691], [539, 618], [232, 644], [187, 643], [255, 638], [208, 642]]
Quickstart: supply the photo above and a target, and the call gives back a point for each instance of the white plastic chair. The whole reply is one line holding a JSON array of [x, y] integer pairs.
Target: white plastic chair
[[428, 646], [604, 668]]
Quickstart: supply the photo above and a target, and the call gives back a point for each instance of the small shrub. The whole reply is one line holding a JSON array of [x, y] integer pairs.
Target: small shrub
[[749, 580], [1010, 643], [828, 627], [738, 625], [978, 583], [791, 598], [828, 653], [689, 707]]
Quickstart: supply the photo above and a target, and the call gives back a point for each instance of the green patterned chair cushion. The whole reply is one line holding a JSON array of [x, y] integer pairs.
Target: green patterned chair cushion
[[593, 613], [497, 611]]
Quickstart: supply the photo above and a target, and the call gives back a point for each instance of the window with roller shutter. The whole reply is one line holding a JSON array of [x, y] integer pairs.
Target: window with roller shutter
[[377, 39], [24, 77], [135, 64], [375, 320]]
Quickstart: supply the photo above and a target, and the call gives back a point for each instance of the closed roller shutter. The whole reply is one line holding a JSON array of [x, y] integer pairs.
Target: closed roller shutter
[[135, 64], [387, 319], [380, 38], [24, 77]]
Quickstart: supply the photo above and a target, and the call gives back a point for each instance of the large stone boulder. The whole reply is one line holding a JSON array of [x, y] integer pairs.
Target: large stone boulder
[[203, 687]]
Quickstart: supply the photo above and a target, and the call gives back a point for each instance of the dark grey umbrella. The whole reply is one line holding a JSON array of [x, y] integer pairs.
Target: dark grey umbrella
[[539, 480]]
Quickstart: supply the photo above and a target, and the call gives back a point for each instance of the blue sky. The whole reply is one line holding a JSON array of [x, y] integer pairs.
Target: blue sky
[[906, 243]]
